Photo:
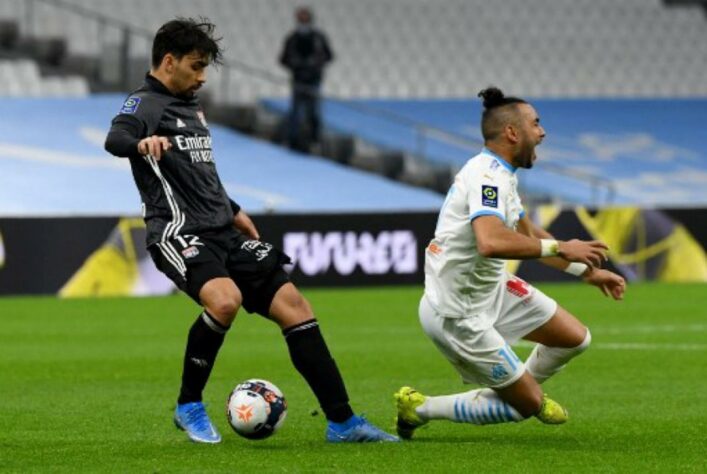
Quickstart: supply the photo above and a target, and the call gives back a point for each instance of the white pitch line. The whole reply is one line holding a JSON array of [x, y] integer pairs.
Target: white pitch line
[[630, 346], [13, 151], [637, 346], [659, 328]]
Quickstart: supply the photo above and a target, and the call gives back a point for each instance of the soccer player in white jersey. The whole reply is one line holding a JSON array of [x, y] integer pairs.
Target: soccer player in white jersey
[[473, 309]]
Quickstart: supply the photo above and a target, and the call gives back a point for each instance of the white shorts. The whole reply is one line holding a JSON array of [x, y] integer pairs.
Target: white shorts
[[477, 345]]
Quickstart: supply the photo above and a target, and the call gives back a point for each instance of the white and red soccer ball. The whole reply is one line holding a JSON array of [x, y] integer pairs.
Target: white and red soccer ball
[[256, 409]]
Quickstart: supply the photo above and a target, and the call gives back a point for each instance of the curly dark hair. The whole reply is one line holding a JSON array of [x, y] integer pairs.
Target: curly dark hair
[[184, 35]]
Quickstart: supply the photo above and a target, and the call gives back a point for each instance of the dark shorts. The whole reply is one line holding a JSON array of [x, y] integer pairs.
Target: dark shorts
[[192, 260]]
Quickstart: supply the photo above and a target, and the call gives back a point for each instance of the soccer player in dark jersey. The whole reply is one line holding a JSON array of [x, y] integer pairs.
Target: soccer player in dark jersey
[[205, 242]]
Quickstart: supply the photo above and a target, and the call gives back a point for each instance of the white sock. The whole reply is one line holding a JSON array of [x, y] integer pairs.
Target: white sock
[[480, 407], [544, 361]]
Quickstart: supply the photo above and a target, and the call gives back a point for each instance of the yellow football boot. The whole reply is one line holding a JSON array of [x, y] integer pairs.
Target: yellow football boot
[[406, 400], [552, 413]]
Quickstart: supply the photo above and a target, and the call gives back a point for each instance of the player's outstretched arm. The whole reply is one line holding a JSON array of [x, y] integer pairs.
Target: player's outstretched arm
[[589, 252], [123, 136], [125, 139], [495, 240], [529, 228], [243, 222]]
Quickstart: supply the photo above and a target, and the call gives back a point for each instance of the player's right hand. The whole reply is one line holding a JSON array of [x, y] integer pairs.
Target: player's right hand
[[592, 253], [243, 222], [154, 146]]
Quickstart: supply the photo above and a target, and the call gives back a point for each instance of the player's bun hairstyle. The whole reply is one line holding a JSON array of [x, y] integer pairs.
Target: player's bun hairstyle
[[182, 36], [493, 97], [496, 115]]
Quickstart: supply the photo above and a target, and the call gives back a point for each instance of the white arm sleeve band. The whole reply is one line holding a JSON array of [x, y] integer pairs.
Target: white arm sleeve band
[[549, 248], [576, 269]]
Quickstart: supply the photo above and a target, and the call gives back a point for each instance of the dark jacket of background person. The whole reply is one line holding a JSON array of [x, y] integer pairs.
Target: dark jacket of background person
[[305, 53]]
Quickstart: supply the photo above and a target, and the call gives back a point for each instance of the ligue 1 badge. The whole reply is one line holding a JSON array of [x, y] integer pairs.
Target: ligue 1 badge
[[489, 196], [202, 118], [130, 105]]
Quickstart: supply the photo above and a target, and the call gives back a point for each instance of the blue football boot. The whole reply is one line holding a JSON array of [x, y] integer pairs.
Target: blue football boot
[[192, 418], [357, 430]]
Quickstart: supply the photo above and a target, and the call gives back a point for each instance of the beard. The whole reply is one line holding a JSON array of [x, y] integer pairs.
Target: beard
[[190, 92], [525, 158], [526, 155]]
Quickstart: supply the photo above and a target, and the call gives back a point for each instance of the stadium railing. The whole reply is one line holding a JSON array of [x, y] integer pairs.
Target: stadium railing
[[602, 188]]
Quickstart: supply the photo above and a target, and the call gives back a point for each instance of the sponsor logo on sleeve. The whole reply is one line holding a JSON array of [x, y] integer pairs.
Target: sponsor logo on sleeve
[[130, 105], [489, 196]]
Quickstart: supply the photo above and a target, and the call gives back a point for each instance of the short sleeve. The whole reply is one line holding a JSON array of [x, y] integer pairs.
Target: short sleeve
[[487, 197]]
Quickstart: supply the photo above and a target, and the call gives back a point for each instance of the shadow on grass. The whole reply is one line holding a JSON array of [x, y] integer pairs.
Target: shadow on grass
[[561, 441]]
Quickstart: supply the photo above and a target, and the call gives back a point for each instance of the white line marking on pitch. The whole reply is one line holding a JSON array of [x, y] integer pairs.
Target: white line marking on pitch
[[640, 346], [660, 328]]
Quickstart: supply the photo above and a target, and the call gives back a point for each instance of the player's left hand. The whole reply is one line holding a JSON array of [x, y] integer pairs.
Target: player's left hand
[[242, 222], [608, 282]]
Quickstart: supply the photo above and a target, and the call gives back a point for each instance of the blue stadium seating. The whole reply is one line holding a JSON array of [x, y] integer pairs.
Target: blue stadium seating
[[651, 150], [52, 162]]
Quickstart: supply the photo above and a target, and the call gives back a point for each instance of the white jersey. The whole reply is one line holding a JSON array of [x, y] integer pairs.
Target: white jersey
[[459, 282]]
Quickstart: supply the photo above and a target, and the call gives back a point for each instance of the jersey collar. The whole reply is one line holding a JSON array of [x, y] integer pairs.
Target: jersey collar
[[156, 85], [500, 160], [153, 83]]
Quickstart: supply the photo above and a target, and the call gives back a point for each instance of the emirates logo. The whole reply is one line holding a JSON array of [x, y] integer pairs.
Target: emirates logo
[[244, 413]]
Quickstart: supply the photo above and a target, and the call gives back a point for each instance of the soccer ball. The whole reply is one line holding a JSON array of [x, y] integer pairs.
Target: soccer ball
[[256, 409]]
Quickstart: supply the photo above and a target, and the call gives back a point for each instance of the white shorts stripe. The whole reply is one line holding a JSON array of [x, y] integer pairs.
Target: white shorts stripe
[[170, 257], [178, 217], [178, 258]]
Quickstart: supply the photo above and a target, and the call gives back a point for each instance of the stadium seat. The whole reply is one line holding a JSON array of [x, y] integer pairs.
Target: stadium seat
[[589, 48], [22, 78]]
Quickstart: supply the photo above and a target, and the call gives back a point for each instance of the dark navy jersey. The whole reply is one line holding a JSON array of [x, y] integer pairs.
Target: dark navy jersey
[[182, 193]]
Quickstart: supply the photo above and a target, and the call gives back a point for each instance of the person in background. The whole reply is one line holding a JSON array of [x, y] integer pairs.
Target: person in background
[[305, 53]]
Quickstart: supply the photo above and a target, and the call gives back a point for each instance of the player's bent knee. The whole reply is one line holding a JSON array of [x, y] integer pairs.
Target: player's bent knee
[[224, 308], [221, 297], [223, 305]]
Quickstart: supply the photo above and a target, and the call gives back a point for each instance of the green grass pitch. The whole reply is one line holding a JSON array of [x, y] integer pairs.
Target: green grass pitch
[[89, 386]]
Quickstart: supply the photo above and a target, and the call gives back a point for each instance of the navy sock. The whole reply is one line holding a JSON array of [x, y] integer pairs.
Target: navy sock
[[311, 358], [205, 338]]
